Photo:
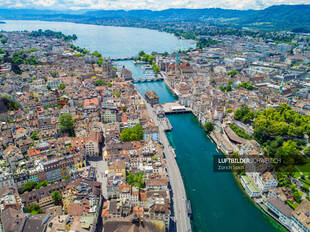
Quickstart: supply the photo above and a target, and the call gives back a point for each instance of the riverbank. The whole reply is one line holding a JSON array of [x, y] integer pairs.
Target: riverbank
[[224, 146], [213, 195], [182, 219], [173, 91], [276, 223]]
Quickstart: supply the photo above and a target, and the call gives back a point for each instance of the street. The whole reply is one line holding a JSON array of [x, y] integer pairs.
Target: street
[[179, 195], [101, 167], [176, 181]]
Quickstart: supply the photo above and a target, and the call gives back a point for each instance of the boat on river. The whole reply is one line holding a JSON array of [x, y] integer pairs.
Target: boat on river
[[189, 208]]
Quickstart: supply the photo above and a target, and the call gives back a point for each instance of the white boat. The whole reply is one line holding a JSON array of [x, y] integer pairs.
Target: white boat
[[139, 62]]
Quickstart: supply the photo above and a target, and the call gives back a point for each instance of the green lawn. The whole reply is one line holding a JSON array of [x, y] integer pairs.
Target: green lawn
[[296, 175], [307, 181], [292, 205], [305, 168], [241, 133]]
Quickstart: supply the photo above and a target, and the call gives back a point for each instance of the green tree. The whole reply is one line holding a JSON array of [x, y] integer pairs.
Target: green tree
[[35, 135], [307, 151], [141, 53], [99, 82], [135, 179], [48, 87], [232, 73], [241, 133], [33, 209], [100, 61], [57, 198], [155, 68], [32, 60], [246, 85], [229, 110], [42, 183], [208, 127], [289, 153], [97, 54], [66, 123], [203, 42], [18, 58], [54, 73], [124, 109], [4, 41], [12, 104], [297, 196], [261, 134], [28, 186], [305, 188], [62, 86], [244, 114], [132, 134]]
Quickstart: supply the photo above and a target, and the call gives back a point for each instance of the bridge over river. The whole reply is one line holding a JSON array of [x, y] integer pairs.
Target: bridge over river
[[122, 58], [140, 80]]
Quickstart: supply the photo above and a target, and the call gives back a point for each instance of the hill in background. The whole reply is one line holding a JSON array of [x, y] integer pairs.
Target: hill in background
[[281, 17]]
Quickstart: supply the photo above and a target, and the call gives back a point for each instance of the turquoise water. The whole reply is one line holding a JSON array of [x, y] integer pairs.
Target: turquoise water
[[218, 204], [217, 201], [110, 41], [158, 87]]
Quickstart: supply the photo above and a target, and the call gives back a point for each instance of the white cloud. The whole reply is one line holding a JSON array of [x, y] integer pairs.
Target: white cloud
[[145, 4]]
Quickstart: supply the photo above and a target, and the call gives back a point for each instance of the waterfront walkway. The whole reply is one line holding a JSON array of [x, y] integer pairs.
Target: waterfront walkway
[[174, 91], [179, 195]]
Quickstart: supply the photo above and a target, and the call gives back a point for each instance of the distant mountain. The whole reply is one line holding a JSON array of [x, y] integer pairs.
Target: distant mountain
[[280, 17]]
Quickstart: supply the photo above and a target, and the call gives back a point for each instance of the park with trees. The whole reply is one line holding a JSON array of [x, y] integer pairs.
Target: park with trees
[[142, 56], [136, 179], [66, 124], [246, 85], [29, 186], [132, 134], [208, 127], [56, 197], [282, 133]]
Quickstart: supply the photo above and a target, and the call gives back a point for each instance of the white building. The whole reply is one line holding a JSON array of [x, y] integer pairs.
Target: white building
[[280, 210], [266, 182], [92, 148], [250, 187]]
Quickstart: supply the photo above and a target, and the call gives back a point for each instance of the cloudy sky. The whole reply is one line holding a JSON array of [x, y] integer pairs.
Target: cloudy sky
[[144, 4]]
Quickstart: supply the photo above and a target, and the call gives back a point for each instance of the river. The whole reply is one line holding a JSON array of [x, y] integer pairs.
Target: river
[[218, 203]]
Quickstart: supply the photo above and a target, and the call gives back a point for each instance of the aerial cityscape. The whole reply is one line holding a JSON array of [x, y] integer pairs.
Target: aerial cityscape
[[155, 116]]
